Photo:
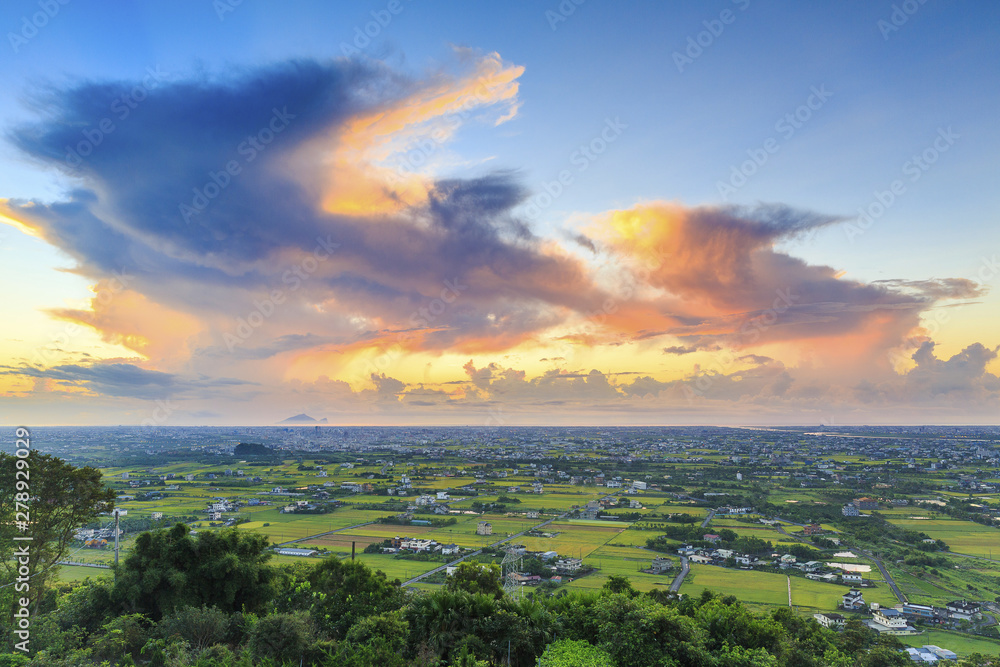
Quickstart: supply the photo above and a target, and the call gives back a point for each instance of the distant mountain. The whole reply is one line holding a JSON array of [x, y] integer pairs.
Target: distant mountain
[[303, 419]]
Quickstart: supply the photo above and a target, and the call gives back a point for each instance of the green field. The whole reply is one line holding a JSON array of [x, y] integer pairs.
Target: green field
[[764, 588], [961, 644], [964, 537]]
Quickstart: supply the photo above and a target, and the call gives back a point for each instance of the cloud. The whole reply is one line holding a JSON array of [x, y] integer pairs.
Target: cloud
[[274, 226]]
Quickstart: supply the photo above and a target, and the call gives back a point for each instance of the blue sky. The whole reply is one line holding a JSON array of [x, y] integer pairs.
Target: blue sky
[[895, 78]]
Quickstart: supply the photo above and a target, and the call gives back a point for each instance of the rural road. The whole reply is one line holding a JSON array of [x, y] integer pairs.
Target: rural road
[[329, 532], [789, 590], [675, 585], [885, 575], [711, 513]]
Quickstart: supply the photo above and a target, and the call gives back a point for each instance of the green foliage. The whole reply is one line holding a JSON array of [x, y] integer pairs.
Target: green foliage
[[283, 636], [343, 592], [200, 627], [476, 578], [574, 653], [168, 569], [63, 497]]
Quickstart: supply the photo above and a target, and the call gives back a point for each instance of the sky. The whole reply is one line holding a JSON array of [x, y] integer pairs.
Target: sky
[[577, 212]]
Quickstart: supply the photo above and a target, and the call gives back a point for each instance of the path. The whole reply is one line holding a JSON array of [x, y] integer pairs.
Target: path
[[789, 590], [711, 513], [329, 532], [885, 575], [675, 586]]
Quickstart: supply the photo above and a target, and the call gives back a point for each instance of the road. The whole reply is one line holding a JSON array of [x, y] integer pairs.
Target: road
[[329, 532], [885, 575], [789, 590], [675, 585], [711, 513]]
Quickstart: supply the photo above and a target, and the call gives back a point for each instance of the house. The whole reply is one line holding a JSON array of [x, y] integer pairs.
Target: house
[[890, 622], [940, 652], [811, 566], [526, 579], [701, 560], [661, 565], [890, 618], [533, 514], [297, 552], [442, 495], [919, 610], [709, 537], [214, 516], [639, 486], [484, 528], [813, 529], [746, 560], [425, 500], [850, 510], [449, 549], [156, 516], [866, 503], [851, 578], [831, 620], [548, 555], [635, 504], [963, 611], [853, 599], [568, 565]]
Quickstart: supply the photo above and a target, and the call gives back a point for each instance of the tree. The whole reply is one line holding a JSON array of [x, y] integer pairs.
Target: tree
[[477, 578], [60, 498], [343, 592], [619, 584], [168, 569]]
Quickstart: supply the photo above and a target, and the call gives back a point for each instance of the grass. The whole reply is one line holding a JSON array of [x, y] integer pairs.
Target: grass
[[764, 588], [962, 644]]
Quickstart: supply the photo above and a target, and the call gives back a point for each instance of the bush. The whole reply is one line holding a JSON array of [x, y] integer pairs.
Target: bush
[[570, 653], [283, 636], [198, 626]]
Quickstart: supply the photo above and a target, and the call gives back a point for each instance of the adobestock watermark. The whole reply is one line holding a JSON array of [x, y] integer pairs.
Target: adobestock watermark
[[612, 304], [364, 34], [585, 155], [55, 348], [421, 318], [913, 169], [899, 17], [934, 320], [121, 107], [160, 414], [562, 12], [786, 127], [747, 334], [265, 308], [32, 24], [418, 152], [248, 149], [697, 43]]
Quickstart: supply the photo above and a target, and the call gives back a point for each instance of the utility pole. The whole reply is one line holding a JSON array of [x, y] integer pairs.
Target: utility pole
[[117, 517]]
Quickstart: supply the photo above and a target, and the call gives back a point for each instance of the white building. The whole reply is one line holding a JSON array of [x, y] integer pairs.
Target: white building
[[484, 528], [830, 620], [639, 486]]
